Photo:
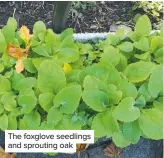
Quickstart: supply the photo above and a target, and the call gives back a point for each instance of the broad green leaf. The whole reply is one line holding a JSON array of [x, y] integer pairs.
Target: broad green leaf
[[39, 27], [114, 75], [142, 44], [3, 122], [1, 67], [126, 111], [156, 43], [1, 108], [126, 47], [65, 33], [122, 63], [128, 89], [42, 50], [29, 66], [154, 86], [67, 55], [15, 78], [159, 56], [143, 26], [52, 40], [68, 99], [144, 56], [46, 100], [12, 123], [51, 77], [3, 44], [54, 116], [104, 124], [32, 120], [9, 33], [93, 83], [73, 76], [97, 70], [158, 104], [119, 140], [110, 55], [25, 83], [67, 43], [37, 62], [113, 94], [5, 85], [12, 23], [131, 131], [112, 39], [151, 123], [96, 99], [139, 71], [67, 124], [27, 102], [9, 102]]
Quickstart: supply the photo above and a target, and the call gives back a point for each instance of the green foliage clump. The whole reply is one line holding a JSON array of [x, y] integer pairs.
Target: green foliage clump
[[113, 87], [154, 9]]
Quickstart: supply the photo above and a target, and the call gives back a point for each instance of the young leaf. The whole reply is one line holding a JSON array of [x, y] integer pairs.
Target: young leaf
[[39, 27], [143, 26], [4, 84], [151, 123], [46, 100], [139, 71], [155, 87], [51, 77], [126, 47], [128, 89], [110, 55], [126, 111], [32, 120], [104, 124], [12, 123], [142, 44], [54, 116], [9, 102], [96, 99], [3, 44], [68, 99], [29, 66], [3, 122], [119, 140], [131, 131]]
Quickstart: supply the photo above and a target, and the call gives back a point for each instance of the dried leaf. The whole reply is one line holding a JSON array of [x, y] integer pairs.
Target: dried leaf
[[112, 150], [67, 67], [16, 51], [6, 155], [19, 66], [25, 34], [81, 147]]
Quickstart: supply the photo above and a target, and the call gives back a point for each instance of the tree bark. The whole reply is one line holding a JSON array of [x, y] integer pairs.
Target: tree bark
[[60, 15]]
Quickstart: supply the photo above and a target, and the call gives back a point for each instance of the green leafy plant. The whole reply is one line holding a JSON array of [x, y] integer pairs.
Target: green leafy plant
[[49, 81]]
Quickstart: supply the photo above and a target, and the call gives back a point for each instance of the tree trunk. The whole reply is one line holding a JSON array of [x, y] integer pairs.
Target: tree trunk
[[60, 15]]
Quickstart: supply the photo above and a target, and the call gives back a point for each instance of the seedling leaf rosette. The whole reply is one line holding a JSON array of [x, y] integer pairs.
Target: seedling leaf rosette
[[49, 81]]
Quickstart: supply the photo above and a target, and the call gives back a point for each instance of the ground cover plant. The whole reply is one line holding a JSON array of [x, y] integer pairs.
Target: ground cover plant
[[49, 81]]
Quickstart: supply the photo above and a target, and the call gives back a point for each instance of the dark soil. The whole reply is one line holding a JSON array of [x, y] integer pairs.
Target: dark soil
[[98, 17]]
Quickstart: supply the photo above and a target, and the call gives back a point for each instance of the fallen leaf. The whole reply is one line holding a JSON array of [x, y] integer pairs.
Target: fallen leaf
[[81, 147], [25, 34], [6, 155], [19, 67], [67, 67], [16, 51], [112, 150]]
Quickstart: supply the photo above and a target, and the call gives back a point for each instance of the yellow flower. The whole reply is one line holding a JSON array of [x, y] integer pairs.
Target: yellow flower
[[67, 67]]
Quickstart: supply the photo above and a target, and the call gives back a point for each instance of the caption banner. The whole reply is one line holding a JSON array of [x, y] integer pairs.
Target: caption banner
[[63, 141]]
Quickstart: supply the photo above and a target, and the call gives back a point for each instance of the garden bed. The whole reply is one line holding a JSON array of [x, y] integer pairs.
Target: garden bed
[[138, 99]]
